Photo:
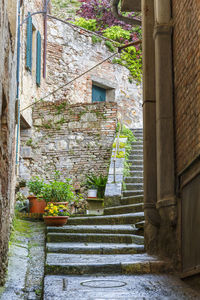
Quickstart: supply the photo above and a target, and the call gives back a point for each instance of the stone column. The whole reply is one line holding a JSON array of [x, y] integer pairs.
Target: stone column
[[166, 199], [149, 117]]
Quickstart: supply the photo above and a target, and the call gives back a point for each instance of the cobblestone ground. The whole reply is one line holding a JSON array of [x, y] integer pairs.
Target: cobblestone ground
[[26, 262]]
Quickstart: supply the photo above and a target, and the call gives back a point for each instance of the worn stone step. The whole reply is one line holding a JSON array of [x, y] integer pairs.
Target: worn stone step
[[111, 219], [132, 193], [138, 146], [136, 168], [140, 225], [139, 207], [58, 237], [137, 143], [134, 186], [136, 162], [132, 199], [132, 179], [72, 264], [94, 248], [132, 159], [114, 229]]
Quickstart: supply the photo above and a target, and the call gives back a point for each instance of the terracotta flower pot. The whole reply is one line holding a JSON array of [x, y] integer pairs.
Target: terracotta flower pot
[[55, 220], [37, 206]]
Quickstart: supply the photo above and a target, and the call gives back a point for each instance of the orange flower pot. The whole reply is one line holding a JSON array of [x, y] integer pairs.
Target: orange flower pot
[[55, 220], [37, 206]]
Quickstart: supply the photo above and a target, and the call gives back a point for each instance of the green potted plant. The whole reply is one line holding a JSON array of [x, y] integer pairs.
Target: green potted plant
[[60, 192], [55, 215], [36, 203], [97, 182]]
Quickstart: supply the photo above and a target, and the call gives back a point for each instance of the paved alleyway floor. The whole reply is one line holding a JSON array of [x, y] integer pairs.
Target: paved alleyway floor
[[26, 273], [143, 287]]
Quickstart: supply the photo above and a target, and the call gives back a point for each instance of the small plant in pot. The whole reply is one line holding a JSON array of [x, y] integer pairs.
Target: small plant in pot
[[36, 203], [97, 182], [58, 192], [56, 215]]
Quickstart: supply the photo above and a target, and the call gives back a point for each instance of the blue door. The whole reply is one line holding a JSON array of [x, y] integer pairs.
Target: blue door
[[98, 94]]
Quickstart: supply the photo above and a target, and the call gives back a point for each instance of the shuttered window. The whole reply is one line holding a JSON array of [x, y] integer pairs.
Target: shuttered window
[[98, 94], [29, 37], [38, 59]]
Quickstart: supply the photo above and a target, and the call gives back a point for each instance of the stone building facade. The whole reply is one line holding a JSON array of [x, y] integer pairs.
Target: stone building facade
[[71, 51], [171, 107], [8, 17]]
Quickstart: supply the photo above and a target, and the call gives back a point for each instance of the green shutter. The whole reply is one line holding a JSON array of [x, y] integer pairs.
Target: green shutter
[[29, 37], [38, 59], [98, 94]]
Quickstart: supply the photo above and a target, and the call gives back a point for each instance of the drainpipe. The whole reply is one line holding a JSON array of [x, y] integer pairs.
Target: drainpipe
[[17, 94], [149, 123], [166, 198]]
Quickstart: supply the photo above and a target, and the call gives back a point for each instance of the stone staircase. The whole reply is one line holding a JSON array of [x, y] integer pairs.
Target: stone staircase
[[108, 244]]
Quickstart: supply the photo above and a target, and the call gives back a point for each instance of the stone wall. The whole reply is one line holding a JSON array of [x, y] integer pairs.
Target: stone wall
[[8, 15], [71, 51], [186, 81], [74, 139]]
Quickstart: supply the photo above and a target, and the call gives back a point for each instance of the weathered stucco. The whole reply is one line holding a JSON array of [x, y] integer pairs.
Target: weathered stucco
[[7, 124]]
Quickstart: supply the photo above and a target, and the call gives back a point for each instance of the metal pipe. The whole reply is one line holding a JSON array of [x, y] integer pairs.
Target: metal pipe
[[115, 12], [18, 75], [45, 39]]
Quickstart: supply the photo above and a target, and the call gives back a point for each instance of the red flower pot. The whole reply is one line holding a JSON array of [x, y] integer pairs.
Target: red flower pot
[[37, 206], [55, 220]]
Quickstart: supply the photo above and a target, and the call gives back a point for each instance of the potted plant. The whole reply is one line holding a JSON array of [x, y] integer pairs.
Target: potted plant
[[98, 183], [36, 203], [55, 215], [58, 192]]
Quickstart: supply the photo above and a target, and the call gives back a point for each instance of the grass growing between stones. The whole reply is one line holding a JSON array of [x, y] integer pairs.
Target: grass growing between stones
[[19, 228]]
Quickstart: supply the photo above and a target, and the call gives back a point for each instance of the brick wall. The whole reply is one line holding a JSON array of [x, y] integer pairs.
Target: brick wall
[[7, 124], [186, 41], [74, 139]]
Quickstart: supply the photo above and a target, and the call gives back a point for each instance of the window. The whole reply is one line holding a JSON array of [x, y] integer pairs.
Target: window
[[98, 94]]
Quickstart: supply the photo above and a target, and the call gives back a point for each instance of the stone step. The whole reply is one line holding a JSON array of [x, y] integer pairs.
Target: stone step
[[139, 207], [132, 193], [134, 186], [94, 248], [132, 200], [132, 158], [136, 151], [134, 179], [72, 264], [140, 225], [136, 168], [137, 173], [58, 237], [137, 143], [111, 219], [136, 146], [136, 162], [113, 229]]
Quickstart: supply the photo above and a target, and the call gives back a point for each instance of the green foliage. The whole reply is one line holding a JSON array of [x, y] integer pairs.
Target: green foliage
[[121, 145], [131, 59], [35, 185], [60, 108], [120, 154], [58, 191], [117, 33], [29, 142], [96, 39], [126, 132], [110, 46], [87, 24], [98, 182]]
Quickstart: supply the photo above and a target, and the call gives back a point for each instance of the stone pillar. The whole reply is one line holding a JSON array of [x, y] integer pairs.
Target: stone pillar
[[166, 199], [149, 117]]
